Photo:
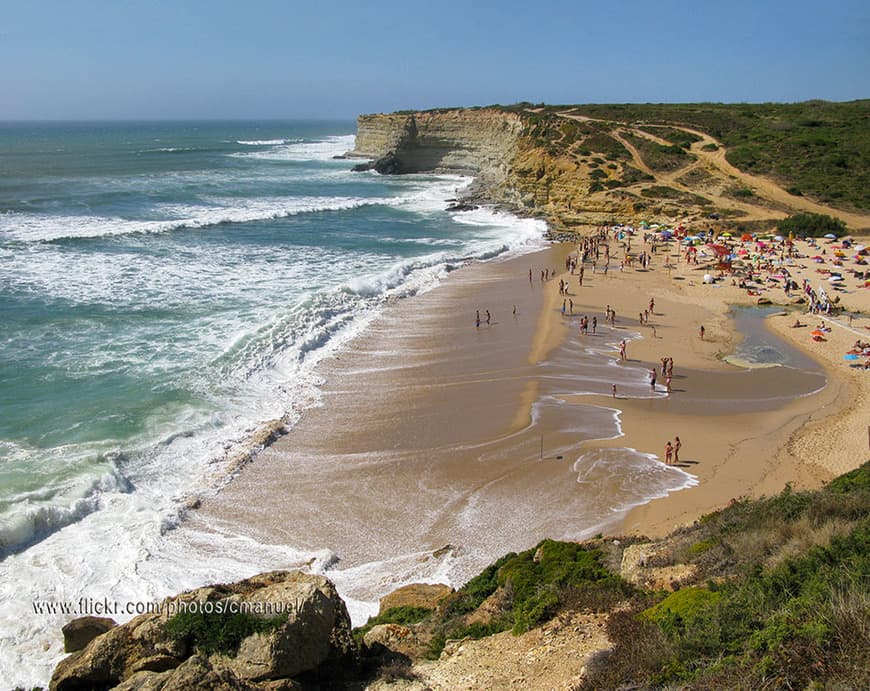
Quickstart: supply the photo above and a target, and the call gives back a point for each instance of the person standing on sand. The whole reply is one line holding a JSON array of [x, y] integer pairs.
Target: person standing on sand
[[622, 349], [652, 380], [677, 446], [594, 324], [488, 317], [669, 453], [613, 390], [702, 330], [477, 318]]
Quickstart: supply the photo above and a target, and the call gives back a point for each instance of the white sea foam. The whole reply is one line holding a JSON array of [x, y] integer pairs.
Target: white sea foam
[[252, 363], [42, 227], [323, 150], [266, 142]]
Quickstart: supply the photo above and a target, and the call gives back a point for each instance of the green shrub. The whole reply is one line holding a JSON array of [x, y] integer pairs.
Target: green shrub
[[812, 225], [218, 632], [404, 615]]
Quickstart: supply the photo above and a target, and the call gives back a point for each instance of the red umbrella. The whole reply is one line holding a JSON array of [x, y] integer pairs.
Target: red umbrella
[[720, 249]]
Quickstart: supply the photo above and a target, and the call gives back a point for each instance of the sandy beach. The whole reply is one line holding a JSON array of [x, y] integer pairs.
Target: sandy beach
[[440, 444]]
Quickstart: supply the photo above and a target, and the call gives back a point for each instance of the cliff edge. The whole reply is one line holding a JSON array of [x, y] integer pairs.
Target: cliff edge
[[575, 171]]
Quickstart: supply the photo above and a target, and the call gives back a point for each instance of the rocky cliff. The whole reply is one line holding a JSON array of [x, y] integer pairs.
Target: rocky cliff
[[575, 171], [482, 143]]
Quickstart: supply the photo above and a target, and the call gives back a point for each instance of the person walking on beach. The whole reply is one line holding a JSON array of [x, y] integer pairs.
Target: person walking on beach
[[677, 446], [669, 453], [613, 390], [652, 380], [477, 319], [594, 324], [488, 317], [622, 349], [702, 331]]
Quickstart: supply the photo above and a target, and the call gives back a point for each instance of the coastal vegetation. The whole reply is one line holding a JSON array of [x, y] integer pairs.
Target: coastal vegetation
[[815, 148], [774, 593], [812, 225]]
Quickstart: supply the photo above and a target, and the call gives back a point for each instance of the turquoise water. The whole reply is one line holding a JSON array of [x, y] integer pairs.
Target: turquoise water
[[166, 290], [172, 279]]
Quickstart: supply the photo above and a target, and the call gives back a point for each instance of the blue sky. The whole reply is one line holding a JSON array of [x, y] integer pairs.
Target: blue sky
[[109, 59]]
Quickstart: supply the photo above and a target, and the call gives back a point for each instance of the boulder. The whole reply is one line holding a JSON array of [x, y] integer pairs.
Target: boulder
[[393, 641], [388, 165], [79, 632], [425, 595], [462, 206], [363, 167], [315, 634], [311, 636]]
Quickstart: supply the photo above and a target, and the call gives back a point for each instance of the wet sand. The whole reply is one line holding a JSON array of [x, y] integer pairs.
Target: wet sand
[[434, 432]]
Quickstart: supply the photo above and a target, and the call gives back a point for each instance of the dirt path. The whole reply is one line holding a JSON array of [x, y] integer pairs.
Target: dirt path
[[716, 160]]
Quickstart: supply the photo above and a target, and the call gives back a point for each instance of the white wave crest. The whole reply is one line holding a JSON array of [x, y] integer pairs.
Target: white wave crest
[[43, 227], [322, 150], [266, 142]]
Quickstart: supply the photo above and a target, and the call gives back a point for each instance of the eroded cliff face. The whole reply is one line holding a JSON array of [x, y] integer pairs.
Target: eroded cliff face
[[482, 143], [512, 167]]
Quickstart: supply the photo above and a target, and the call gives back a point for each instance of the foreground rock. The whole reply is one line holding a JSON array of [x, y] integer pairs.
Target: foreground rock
[[79, 632], [297, 627], [425, 595]]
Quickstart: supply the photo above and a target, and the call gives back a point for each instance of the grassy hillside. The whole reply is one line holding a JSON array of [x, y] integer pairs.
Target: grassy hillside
[[817, 148]]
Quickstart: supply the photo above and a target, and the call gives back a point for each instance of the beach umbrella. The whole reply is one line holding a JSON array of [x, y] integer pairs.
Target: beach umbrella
[[817, 332], [746, 237], [720, 249], [830, 236], [778, 238]]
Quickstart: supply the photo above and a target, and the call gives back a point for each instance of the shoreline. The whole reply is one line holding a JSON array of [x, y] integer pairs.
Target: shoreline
[[454, 478]]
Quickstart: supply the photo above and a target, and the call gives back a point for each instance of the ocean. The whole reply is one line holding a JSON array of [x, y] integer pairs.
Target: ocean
[[167, 291]]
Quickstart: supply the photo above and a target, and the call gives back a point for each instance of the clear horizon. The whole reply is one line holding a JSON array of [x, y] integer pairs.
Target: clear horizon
[[272, 60]]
